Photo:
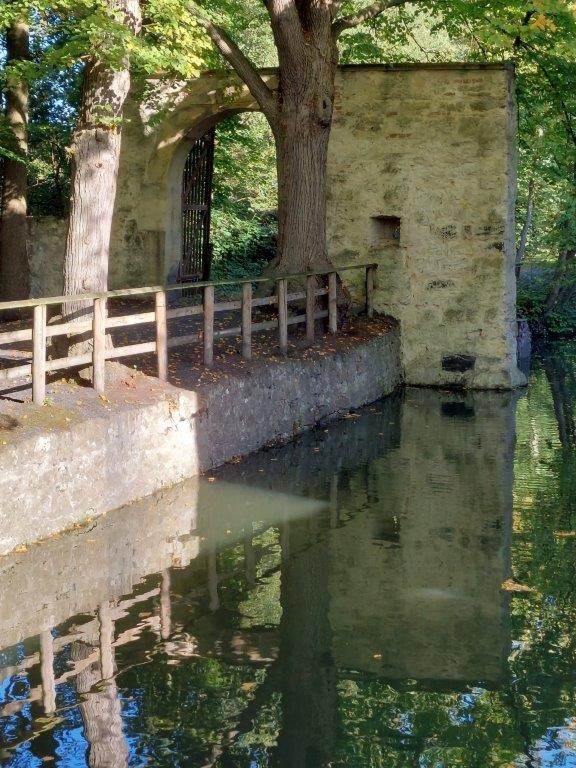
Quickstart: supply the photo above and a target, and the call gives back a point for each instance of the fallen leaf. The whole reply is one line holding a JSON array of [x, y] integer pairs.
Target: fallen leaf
[[512, 586]]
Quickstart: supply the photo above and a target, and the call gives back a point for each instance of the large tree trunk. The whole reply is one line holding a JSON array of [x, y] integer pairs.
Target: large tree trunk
[[301, 151], [95, 159], [14, 264], [301, 125]]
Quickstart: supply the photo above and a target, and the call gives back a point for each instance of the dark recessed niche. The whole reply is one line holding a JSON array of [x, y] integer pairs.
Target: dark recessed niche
[[385, 230], [386, 530], [458, 363], [457, 410]]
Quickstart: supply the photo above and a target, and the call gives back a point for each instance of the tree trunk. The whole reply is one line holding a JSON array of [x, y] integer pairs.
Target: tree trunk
[[301, 126], [527, 225], [558, 287], [306, 36], [95, 159], [301, 154], [14, 263]]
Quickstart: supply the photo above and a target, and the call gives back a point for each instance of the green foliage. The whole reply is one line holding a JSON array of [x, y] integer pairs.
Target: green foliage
[[63, 36], [245, 197], [533, 291]]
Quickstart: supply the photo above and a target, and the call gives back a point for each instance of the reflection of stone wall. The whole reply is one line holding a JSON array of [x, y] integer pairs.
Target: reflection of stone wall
[[74, 573], [429, 539]]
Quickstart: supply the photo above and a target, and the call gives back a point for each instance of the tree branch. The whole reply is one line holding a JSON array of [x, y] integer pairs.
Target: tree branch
[[288, 34], [241, 64], [370, 12]]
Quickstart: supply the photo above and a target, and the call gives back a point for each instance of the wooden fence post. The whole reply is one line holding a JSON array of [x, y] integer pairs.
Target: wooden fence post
[[332, 304], [99, 345], [106, 641], [161, 335], [370, 291], [283, 315], [165, 606], [247, 321], [310, 306], [39, 355], [209, 325]]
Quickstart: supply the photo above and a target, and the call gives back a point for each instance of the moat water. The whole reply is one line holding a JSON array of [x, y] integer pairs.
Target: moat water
[[394, 589]]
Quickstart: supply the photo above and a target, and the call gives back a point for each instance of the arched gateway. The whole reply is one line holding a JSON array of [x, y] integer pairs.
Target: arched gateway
[[421, 179]]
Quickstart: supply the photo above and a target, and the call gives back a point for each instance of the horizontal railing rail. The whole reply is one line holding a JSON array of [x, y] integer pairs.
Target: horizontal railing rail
[[96, 322]]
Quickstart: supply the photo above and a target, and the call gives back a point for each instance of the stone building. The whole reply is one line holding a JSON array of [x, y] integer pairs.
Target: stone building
[[421, 179]]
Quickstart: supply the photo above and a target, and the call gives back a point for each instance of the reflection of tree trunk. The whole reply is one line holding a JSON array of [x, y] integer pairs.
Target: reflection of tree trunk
[[562, 398], [100, 705], [308, 674], [249, 560], [213, 579]]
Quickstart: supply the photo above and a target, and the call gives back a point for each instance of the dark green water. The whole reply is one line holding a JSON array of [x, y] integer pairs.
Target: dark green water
[[335, 602]]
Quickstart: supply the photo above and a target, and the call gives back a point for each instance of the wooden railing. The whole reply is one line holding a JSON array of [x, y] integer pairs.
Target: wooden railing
[[96, 323]]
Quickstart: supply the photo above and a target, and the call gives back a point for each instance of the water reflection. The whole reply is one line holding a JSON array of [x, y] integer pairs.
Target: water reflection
[[560, 373], [336, 601]]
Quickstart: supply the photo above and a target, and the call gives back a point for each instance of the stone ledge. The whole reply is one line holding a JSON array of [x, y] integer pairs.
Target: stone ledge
[[83, 456]]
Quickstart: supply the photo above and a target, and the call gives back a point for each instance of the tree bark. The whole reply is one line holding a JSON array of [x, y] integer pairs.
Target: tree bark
[[301, 126], [14, 262], [558, 289], [95, 159], [301, 138]]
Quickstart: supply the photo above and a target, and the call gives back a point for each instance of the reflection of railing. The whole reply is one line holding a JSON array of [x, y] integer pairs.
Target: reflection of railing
[[94, 322], [103, 627]]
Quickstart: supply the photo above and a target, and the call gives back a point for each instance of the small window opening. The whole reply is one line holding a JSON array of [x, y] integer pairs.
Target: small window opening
[[385, 230]]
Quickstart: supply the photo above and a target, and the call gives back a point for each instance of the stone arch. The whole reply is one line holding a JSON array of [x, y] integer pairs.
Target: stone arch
[[209, 99]]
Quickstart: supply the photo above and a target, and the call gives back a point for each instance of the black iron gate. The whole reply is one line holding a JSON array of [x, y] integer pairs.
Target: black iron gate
[[196, 254]]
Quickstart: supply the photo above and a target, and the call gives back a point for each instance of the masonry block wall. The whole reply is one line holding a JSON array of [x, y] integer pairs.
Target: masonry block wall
[[422, 180]]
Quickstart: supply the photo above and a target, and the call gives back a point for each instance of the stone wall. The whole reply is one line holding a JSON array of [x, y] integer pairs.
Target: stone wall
[[47, 242], [84, 456], [421, 179]]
